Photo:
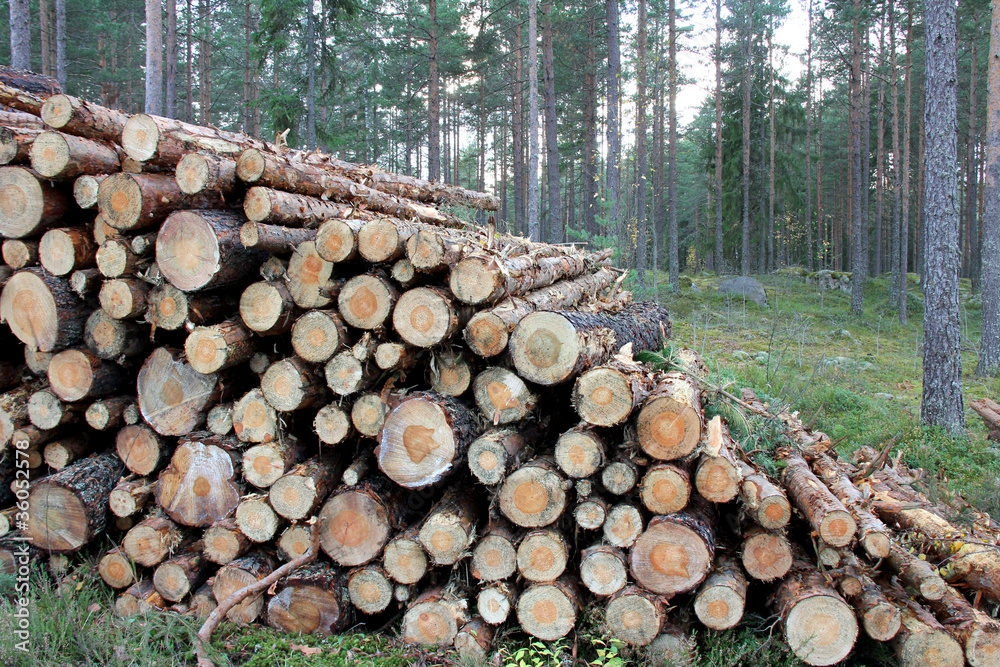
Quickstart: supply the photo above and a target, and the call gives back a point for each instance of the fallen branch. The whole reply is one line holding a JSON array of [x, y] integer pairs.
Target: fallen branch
[[219, 613]]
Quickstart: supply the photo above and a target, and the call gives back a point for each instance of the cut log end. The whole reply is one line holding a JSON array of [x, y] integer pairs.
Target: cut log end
[[821, 630], [354, 527], [634, 617], [603, 397], [542, 555], [418, 445], [671, 557], [533, 496], [22, 203], [250, 165], [370, 590], [486, 334], [766, 556], [603, 570], [547, 611], [494, 558], [665, 489], [668, 429], [140, 137], [424, 317], [405, 560], [366, 301], [545, 348]]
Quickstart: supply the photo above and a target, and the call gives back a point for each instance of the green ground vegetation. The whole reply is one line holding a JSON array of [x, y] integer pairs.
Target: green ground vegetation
[[857, 379]]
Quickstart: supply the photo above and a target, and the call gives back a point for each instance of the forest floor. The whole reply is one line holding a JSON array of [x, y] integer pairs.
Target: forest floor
[[856, 378]]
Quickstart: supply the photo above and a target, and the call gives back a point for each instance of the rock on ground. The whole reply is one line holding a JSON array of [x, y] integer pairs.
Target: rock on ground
[[744, 286]]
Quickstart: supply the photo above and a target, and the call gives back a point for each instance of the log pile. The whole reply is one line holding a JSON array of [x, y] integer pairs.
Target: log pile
[[278, 342]]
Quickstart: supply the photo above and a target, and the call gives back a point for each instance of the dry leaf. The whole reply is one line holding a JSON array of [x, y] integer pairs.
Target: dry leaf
[[306, 650]]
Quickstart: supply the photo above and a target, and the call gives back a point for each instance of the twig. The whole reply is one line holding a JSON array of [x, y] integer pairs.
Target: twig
[[213, 620], [877, 462]]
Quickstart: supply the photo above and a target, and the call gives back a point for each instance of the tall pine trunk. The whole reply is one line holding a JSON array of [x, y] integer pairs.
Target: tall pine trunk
[[517, 132], [534, 233], [672, 242], [904, 224], [898, 272], [971, 206], [154, 58], [170, 57], [770, 163], [859, 261], [61, 42], [205, 63], [613, 183], [641, 216], [589, 167], [942, 397], [880, 156], [433, 100], [311, 78], [20, 34], [718, 136], [989, 344], [551, 135], [747, 81]]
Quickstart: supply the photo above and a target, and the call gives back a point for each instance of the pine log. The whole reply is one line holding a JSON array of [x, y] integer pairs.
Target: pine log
[[367, 300], [635, 616], [921, 639], [450, 371], [590, 512], [75, 375], [34, 438], [213, 348], [201, 172], [112, 340], [427, 316], [486, 278], [383, 239], [620, 476], [197, 488], [169, 308], [989, 411], [494, 558], [19, 253], [718, 474], [542, 555], [580, 452], [82, 118], [503, 397], [449, 528], [764, 500], [368, 414], [819, 626], [357, 521], [42, 311], [311, 600], [766, 555], [370, 589], [880, 618], [603, 570], [266, 169], [116, 569], [310, 278], [397, 356], [202, 602], [534, 495], [496, 452], [293, 384], [608, 395], [115, 258], [474, 639], [19, 119], [669, 424], [665, 488], [224, 542], [63, 157], [220, 419], [140, 599], [332, 424], [28, 203], [273, 238], [424, 438], [623, 525], [405, 560], [173, 397], [150, 541], [916, 573], [298, 493], [488, 331], [873, 535], [238, 574], [294, 541], [254, 420], [548, 611], [159, 141], [337, 240], [198, 250], [124, 298], [721, 600], [61, 452], [675, 552], [47, 411], [85, 190], [15, 143], [264, 464], [291, 210], [130, 496], [975, 630], [345, 375], [318, 335], [14, 408], [549, 347], [62, 251], [256, 518], [37, 362], [403, 273], [132, 202], [181, 574], [101, 229], [827, 515], [433, 619], [68, 509]]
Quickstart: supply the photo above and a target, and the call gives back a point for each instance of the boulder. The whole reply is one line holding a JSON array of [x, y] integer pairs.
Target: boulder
[[746, 287]]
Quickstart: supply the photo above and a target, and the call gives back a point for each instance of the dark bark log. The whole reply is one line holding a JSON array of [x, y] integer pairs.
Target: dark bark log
[[132, 202], [82, 118], [311, 600], [198, 250], [63, 157]]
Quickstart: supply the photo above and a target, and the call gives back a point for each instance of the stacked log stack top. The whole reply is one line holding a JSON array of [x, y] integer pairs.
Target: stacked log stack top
[[220, 347]]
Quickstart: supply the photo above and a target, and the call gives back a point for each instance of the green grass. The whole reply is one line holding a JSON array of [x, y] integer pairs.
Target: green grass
[[857, 379]]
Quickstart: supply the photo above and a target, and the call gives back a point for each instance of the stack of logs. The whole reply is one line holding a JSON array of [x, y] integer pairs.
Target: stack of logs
[[225, 347]]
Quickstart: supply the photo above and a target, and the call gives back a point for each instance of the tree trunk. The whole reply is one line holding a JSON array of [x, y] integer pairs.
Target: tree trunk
[[590, 156], [20, 34], [942, 394], [154, 58], [551, 137], [198, 250], [916, 574], [989, 345], [971, 178], [673, 253], [904, 226], [746, 116], [205, 63], [170, 57], [859, 262], [614, 149], [433, 99]]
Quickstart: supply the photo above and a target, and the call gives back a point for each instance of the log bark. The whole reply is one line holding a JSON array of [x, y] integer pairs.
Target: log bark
[[424, 438], [181, 574], [916, 574], [356, 522], [879, 617], [29, 204], [150, 541], [449, 528], [503, 398], [238, 574], [311, 600], [82, 118], [173, 397], [534, 495], [550, 347], [298, 493], [254, 420], [486, 278], [205, 172], [675, 552], [273, 238], [635, 616], [264, 464], [114, 340], [162, 142], [220, 346], [292, 210], [766, 555], [69, 509], [224, 542], [198, 250], [15, 143], [133, 202], [198, 488], [975, 630], [873, 535], [370, 589], [42, 311], [819, 626], [474, 639], [827, 515], [383, 239], [548, 611], [19, 254], [63, 157], [765, 501]]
